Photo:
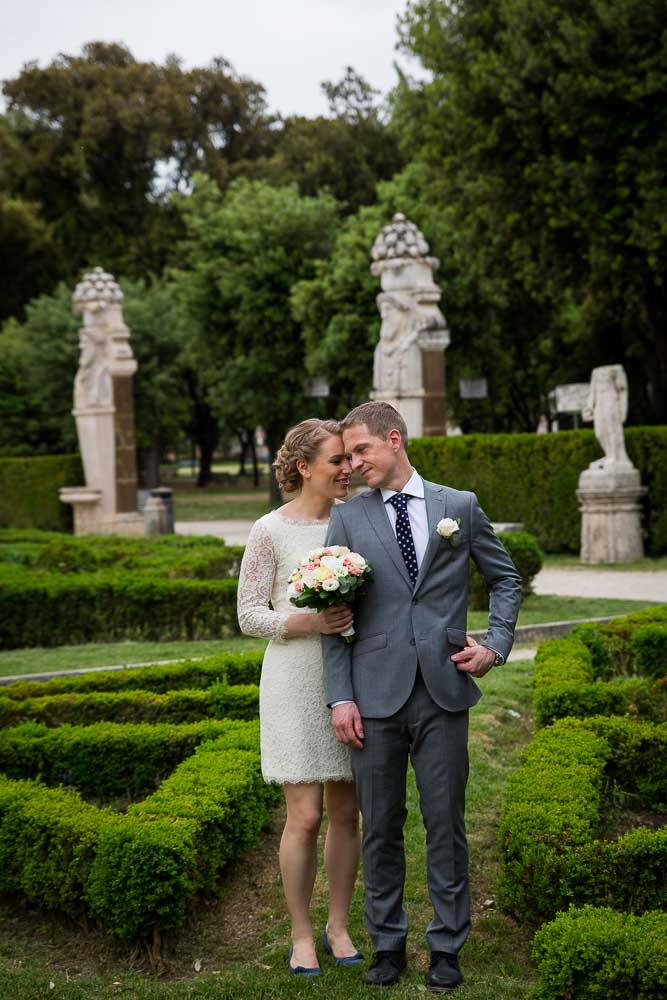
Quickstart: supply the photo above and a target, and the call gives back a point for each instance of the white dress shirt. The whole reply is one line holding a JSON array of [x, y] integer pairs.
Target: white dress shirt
[[416, 512]]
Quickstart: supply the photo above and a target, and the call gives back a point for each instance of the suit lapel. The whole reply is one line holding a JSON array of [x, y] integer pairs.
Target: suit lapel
[[436, 505], [377, 515]]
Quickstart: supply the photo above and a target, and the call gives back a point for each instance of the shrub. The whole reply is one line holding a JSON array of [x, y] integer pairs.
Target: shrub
[[105, 759], [533, 478], [217, 702], [526, 556], [555, 810], [52, 610], [139, 873], [620, 652], [591, 953], [29, 491], [230, 668]]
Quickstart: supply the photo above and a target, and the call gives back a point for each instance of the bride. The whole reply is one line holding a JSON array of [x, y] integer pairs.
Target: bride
[[298, 746]]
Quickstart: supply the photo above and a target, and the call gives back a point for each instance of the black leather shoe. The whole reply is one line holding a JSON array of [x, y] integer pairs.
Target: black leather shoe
[[444, 973], [386, 968]]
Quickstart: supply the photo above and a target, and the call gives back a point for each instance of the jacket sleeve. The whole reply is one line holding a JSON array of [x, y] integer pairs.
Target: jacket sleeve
[[501, 577], [337, 655]]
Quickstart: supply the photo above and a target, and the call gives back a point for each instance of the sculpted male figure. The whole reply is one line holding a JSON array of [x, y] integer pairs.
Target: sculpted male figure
[[403, 689]]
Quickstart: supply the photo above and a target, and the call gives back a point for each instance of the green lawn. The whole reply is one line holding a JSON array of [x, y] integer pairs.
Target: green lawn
[[563, 561], [220, 504], [241, 938], [535, 609]]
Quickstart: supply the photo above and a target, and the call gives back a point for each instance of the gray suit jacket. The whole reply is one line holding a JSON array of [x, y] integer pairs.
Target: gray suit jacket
[[398, 625]]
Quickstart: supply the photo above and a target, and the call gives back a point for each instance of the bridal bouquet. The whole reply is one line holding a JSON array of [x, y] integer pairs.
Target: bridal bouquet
[[328, 576]]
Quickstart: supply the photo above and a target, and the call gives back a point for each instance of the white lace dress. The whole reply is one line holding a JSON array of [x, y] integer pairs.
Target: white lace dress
[[297, 741]]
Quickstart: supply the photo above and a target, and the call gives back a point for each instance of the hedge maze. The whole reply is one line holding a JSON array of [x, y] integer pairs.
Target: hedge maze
[[601, 748], [124, 793]]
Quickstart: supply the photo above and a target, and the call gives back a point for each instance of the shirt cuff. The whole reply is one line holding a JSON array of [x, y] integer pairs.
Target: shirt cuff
[[334, 704]]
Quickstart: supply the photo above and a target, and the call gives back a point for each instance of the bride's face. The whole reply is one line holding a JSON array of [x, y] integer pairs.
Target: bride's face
[[329, 472]]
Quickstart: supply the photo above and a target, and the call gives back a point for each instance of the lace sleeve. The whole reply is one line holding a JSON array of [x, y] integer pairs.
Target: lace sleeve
[[258, 567]]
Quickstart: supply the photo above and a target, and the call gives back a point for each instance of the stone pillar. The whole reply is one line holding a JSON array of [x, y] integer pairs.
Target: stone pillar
[[409, 360], [610, 489], [104, 413]]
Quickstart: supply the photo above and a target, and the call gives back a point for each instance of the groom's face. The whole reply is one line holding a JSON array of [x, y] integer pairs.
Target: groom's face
[[372, 457]]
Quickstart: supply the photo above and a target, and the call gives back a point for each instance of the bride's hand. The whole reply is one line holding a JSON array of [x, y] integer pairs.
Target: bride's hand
[[334, 620]]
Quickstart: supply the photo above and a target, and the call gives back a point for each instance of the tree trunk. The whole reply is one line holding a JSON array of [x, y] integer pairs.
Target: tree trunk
[[255, 467], [151, 462], [274, 436], [205, 430]]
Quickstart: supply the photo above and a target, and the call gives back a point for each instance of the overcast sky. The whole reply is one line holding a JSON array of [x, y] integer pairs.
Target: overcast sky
[[290, 46]]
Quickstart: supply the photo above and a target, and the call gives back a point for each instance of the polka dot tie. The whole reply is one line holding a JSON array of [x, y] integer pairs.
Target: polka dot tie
[[404, 537]]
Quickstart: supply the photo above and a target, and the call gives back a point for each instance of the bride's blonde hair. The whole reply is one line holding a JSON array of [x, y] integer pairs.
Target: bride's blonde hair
[[302, 442]]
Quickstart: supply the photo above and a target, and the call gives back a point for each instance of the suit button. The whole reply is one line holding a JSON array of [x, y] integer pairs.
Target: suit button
[[413, 641], [415, 600]]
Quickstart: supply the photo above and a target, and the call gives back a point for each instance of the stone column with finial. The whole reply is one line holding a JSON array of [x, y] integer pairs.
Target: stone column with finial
[[409, 360], [104, 413]]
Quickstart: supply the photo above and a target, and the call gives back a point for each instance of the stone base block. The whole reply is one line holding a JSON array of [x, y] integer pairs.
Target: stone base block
[[91, 519], [610, 516]]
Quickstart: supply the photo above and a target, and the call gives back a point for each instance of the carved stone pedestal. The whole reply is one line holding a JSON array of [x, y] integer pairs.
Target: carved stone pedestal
[[610, 504]]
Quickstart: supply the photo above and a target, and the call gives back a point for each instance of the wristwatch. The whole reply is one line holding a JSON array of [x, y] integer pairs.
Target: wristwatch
[[499, 658]]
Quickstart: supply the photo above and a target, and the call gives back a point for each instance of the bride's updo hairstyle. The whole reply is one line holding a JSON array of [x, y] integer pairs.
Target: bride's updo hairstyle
[[301, 443]]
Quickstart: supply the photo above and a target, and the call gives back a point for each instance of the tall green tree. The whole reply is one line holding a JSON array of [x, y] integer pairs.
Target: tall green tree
[[547, 126], [101, 140], [245, 250]]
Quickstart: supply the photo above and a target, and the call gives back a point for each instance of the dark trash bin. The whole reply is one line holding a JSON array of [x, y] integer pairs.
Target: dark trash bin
[[166, 496]]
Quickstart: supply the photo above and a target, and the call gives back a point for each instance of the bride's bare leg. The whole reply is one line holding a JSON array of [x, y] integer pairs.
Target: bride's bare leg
[[298, 865], [341, 857]]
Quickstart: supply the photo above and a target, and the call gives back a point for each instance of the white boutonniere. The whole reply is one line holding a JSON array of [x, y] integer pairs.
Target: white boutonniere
[[450, 529]]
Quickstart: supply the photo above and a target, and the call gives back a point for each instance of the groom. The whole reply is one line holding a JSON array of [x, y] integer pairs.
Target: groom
[[403, 689]]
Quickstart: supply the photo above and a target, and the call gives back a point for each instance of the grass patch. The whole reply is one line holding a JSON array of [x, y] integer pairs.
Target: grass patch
[[534, 610], [40, 660], [241, 938], [551, 608], [565, 561], [221, 504]]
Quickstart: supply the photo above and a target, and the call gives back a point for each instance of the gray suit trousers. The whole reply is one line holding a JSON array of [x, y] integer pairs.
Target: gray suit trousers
[[436, 741]]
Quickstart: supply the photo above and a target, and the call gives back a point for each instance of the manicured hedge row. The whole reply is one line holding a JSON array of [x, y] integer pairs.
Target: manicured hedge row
[[138, 873], [526, 556], [29, 491], [533, 478], [52, 610], [594, 952], [220, 701], [103, 760], [553, 820], [229, 668], [202, 557], [629, 653]]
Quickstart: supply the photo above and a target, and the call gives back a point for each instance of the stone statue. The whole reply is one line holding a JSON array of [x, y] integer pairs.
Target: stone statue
[[104, 413], [408, 363], [607, 407], [610, 489], [92, 384]]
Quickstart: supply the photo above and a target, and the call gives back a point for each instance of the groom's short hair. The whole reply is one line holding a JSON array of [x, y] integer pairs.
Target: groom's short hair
[[380, 418]]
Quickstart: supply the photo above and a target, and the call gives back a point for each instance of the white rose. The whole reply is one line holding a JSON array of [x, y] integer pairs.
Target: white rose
[[357, 560], [308, 579], [331, 584], [292, 591], [447, 527], [332, 562]]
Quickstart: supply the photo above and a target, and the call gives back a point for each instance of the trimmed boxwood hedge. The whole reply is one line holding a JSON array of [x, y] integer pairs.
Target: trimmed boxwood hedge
[[229, 668], [106, 759], [533, 478], [629, 654], [29, 491], [51, 609], [138, 873], [221, 701], [553, 819], [594, 952]]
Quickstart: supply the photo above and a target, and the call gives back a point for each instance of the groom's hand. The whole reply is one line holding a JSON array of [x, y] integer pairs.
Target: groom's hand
[[475, 660], [347, 724]]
